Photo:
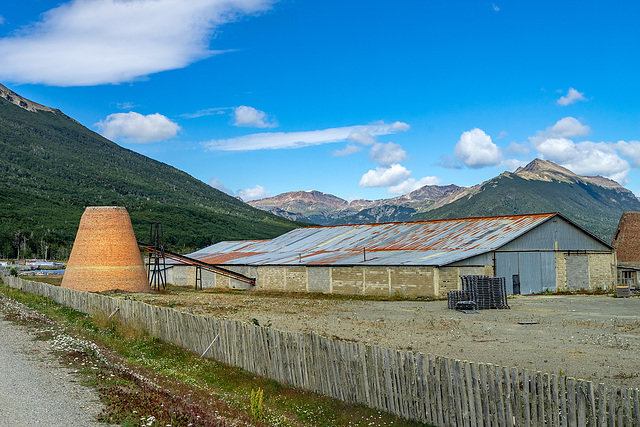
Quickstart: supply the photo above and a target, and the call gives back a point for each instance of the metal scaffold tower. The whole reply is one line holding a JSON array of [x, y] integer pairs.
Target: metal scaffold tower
[[157, 266]]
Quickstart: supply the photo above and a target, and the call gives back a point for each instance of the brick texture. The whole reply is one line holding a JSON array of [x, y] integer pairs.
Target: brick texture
[[627, 239], [105, 254]]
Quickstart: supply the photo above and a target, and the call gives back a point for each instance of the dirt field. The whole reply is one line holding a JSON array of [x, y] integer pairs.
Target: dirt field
[[589, 337]]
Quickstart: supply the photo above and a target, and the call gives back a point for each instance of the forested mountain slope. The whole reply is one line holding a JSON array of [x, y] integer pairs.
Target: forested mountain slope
[[51, 168]]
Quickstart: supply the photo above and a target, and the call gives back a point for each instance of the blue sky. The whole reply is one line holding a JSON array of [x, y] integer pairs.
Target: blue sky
[[361, 99]]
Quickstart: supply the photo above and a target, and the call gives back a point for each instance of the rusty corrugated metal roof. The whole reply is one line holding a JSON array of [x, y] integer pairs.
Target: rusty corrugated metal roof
[[437, 242]]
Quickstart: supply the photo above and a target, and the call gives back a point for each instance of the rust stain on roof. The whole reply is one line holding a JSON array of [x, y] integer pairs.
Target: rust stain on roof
[[437, 242]]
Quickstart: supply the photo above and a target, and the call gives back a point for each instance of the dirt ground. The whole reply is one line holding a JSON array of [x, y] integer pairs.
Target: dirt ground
[[589, 337]]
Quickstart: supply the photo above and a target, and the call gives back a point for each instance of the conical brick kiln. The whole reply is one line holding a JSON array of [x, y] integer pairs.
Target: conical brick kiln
[[105, 254]]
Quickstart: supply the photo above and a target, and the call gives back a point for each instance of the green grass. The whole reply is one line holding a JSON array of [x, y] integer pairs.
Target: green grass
[[51, 280], [191, 387]]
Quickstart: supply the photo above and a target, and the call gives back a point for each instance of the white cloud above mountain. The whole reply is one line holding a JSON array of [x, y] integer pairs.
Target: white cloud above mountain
[[630, 150], [593, 158], [567, 127], [284, 140], [215, 183], [257, 192], [476, 150], [584, 157], [385, 176], [387, 154], [137, 128], [409, 185], [95, 42]]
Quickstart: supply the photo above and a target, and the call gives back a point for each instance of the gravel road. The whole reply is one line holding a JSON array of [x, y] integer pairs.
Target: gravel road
[[35, 389]]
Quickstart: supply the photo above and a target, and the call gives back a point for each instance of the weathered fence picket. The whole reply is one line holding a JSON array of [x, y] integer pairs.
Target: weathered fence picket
[[427, 388]]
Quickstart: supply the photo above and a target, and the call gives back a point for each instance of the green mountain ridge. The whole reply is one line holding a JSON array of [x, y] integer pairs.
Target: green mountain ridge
[[593, 202], [52, 167], [595, 208]]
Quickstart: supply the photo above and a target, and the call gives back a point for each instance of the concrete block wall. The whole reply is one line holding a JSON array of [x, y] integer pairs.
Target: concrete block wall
[[598, 269], [561, 272], [412, 281], [601, 274]]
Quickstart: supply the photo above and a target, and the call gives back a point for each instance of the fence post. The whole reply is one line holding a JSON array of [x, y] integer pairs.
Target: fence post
[[432, 389]]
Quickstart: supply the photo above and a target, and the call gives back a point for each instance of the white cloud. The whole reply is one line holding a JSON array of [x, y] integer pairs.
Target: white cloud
[[567, 127], [630, 150], [257, 192], [598, 158], [125, 105], [250, 117], [2, 20], [280, 140], [366, 134], [559, 150], [513, 164], [585, 158], [571, 97], [385, 176], [93, 42], [207, 112], [495, 8], [476, 150], [409, 185], [136, 128], [387, 154], [348, 150], [215, 183]]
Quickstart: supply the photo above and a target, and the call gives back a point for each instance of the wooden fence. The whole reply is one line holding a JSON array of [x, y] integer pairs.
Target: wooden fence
[[427, 388]]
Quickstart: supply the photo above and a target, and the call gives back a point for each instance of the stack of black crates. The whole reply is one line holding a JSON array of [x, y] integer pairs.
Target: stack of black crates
[[479, 293]]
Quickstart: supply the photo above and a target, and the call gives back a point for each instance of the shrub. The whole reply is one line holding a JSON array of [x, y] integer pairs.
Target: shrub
[[257, 406]]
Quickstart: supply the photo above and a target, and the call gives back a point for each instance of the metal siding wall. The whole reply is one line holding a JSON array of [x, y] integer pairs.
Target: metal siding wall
[[507, 266], [530, 272], [548, 265], [545, 235], [482, 259]]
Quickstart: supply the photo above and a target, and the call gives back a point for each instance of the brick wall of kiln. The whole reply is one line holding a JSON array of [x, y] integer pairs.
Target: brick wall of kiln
[[105, 254]]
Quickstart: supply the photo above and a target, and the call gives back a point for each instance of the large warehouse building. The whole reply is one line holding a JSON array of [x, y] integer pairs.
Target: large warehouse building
[[539, 252]]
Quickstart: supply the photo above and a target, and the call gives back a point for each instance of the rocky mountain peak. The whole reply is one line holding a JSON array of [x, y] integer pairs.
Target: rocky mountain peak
[[539, 166], [21, 102], [545, 170], [312, 197]]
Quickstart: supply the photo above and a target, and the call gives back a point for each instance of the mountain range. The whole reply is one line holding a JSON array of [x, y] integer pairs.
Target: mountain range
[[593, 202], [52, 167]]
